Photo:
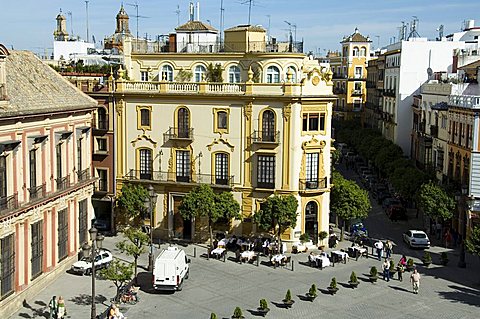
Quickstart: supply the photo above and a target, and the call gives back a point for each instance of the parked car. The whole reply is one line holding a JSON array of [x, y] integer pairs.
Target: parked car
[[396, 212], [390, 201], [357, 227], [84, 265], [416, 239], [171, 269], [382, 196]]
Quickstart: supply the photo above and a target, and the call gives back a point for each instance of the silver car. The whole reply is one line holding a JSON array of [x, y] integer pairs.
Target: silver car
[[416, 239]]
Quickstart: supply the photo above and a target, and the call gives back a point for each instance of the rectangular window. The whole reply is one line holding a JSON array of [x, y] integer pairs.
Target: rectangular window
[[33, 168], [102, 179], [144, 76], [145, 117], [58, 151], [37, 248], [222, 120], [145, 164], [313, 122], [183, 166], [82, 221], [221, 168], [311, 174], [266, 171], [62, 234], [7, 266], [3, 177], [358, 72], [102, 144], [79, 155]]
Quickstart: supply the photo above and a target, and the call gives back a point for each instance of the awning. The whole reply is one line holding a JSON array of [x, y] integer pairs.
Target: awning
[[8, 145], [64, 134], [38, 138], [84, 129]]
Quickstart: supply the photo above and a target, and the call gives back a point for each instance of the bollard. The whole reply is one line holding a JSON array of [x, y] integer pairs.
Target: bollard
[[258, 259], [208, 253], [224, 255], [194, 252], [293, 262]]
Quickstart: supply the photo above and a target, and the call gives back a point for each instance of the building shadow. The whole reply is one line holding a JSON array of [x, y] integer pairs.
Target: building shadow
[[462, 295]]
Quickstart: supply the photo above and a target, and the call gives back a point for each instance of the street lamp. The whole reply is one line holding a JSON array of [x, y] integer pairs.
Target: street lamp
[[97, 240], [469, 201], [150, 202]]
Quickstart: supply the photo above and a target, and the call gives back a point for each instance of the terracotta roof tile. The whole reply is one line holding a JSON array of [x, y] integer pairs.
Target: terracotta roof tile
[[195, 26]]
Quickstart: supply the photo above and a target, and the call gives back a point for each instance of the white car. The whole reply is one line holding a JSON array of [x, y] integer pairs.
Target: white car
[[84, 265], [416, 238]]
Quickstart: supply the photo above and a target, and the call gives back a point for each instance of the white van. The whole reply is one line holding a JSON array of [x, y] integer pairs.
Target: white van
[[170, 269]]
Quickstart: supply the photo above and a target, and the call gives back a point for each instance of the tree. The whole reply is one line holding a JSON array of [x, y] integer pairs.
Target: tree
[[134, 245], [214, 73], [119, 273], [277, 213], [203, 202], [132, 204], [348, 200], [435, 202], [473, 242]]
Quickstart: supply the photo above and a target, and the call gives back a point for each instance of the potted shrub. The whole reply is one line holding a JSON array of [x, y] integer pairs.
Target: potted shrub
[[427, 259], [321, 237], [312, 293], [373, 274], [333, 286], [237, 313], [263, 309], [444, 258], [304, 238], [410, 265], [288, 302], [213, 316], [353, 282]]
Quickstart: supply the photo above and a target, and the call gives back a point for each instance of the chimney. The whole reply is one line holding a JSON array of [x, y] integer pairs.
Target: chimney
[[198, 11], [3, 72], [191, 11]]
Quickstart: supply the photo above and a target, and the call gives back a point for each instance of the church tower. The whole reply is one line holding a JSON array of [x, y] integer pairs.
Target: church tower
[[61, 34], [122, 22]]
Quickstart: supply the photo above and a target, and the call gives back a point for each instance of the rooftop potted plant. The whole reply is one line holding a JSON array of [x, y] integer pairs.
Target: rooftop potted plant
[[333, 286], [263, 309], [312, 293], [321, 237], [353, 282], [444, 258], [237, 313], [427, 259], [410, 265], [373, 274], [288, 302]]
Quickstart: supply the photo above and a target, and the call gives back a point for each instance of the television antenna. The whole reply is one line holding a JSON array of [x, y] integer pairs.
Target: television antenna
[[177, 12], [137, 16], [222, 17], [86, 10], [413, 28], [69, 14], [250, 3], [440, 32], [294, 26]]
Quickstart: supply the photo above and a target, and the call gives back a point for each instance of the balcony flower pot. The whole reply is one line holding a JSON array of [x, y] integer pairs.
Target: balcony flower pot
[[263, 309]]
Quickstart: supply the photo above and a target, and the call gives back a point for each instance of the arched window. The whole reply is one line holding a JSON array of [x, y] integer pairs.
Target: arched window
[[145, 163], [200, 72], [363, 51], [311, 223], [183, 121], [234, 74], [167, 73], [273, 74], [355, 51], [268, 126], [292, 70]]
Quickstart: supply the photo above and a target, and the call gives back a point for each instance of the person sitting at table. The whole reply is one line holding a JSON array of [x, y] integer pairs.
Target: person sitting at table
[[311, 258]]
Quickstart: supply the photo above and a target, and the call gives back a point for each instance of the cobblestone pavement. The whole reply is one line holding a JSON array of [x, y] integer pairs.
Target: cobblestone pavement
[[216, 286]]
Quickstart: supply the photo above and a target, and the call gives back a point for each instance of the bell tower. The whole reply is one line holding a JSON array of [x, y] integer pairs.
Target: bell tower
[[61, 34], [122, 22]]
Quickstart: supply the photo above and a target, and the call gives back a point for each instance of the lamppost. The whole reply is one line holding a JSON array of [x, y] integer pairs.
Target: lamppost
[[97, 240], [150, 202], [461, 262]]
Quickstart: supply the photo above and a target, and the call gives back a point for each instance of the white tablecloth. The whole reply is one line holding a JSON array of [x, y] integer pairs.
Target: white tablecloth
[[278, 258], [342, 254], [248, 254], [218, 251], [222, 242], [360, 249], [324, 259]]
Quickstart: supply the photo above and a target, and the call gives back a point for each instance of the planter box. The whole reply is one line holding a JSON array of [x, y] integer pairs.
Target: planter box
[[332, 291], [263, 312], [353, 284], [310, 297], [288, 304]]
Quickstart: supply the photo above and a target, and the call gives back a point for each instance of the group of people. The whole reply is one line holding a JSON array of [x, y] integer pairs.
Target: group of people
[[380, 248], [57, 308], [115, 313], [401, 266]]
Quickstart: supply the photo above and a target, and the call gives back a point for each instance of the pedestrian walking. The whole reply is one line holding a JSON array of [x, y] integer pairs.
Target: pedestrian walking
[[448, 238], [388, 248], [438, 228], [53, 305], [62, 311], [386, 270], [400, 270], [379, 249], [415, 280]]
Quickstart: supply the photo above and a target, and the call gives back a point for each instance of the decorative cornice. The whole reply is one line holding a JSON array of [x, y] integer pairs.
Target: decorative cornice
[[221, 140], [143, 137]]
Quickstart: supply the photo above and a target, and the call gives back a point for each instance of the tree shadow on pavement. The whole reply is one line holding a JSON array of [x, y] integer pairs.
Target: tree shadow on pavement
[[462, 295], [85, 300], [36, 312]]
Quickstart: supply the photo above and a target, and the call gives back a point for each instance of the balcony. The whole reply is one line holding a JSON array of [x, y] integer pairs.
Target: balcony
[[338, 76], [465, 101], [178, 134], [338, 91], [266, 185], [265, 137], [38, 192], [173, 178], [313, 184], [84, 175], [101, 186], [8, 203], [389, 92], [63, 183]]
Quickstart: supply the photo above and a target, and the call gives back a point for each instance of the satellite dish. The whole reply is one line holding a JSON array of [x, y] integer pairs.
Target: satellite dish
[[430, 73]]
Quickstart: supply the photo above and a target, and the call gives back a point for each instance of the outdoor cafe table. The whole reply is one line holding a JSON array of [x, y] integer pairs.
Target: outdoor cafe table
[[359, 251], [278, 258], [247, 255], [338, 255], [218, 252], [325, 262]]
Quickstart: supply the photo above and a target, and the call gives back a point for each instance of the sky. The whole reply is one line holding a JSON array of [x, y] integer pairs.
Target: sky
[[322, 24]]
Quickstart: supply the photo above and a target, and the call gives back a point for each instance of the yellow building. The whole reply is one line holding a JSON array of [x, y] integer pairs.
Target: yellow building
[[349, 69], [263, 129]]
